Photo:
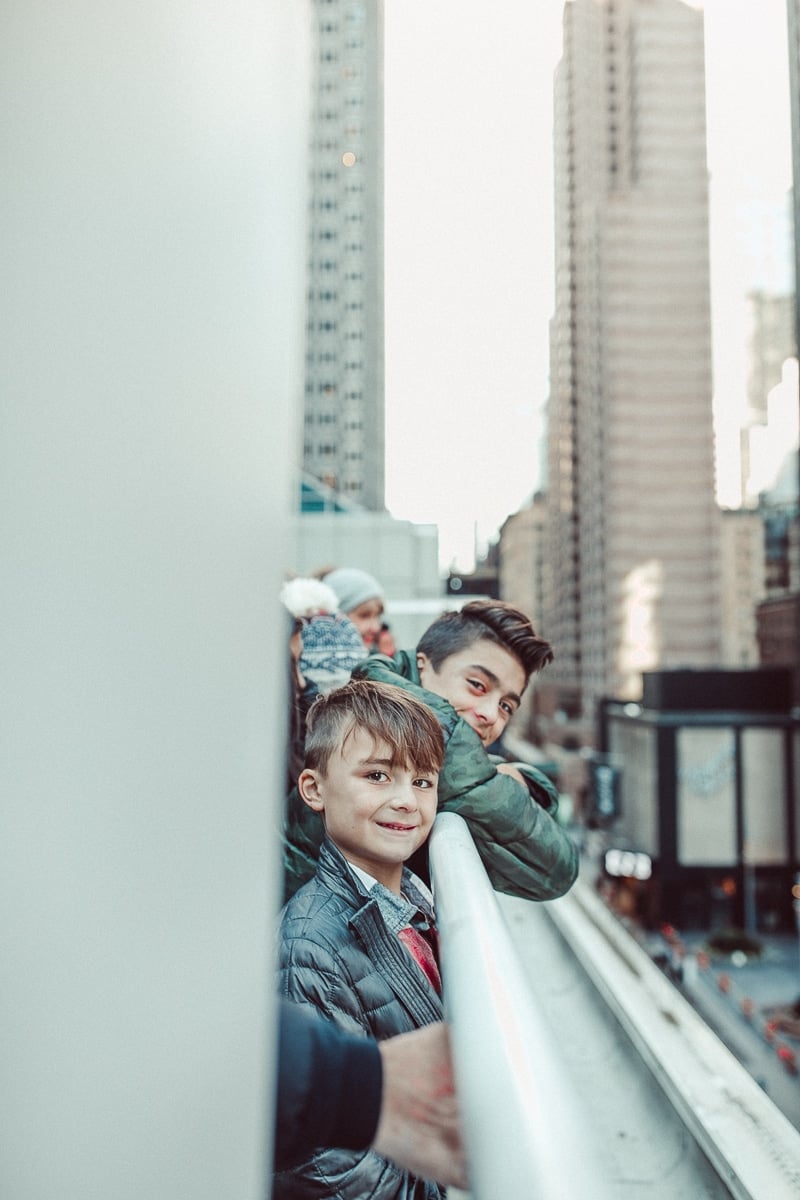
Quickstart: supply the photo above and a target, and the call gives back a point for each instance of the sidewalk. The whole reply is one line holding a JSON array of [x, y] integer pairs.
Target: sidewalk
[[747, 1001]]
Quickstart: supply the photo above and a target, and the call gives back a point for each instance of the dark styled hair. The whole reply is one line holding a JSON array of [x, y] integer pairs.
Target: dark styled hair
[[494, 621], [386, 712]]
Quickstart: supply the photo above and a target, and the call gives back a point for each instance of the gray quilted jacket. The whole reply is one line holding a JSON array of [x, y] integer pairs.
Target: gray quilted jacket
[[336, 953]]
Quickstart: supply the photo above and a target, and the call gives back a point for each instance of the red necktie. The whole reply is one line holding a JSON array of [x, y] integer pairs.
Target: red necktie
[[421, 951]]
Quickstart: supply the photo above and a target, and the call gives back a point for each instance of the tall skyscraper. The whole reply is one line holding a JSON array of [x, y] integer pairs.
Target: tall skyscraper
[[767, 240], [343, 436], [633, 562], [793, 23]]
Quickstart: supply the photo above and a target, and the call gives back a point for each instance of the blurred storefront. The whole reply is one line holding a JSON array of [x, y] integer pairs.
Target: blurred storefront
[[703, 776]]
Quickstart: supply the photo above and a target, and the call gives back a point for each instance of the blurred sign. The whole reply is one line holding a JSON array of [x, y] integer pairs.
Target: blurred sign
[[628, 863], [606, 789]]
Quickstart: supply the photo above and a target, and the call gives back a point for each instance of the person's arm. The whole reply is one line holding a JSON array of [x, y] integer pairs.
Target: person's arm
[[419, 1126], [525, 851], [341, 1090], [507, 768], [541, 787], [328, 1089]]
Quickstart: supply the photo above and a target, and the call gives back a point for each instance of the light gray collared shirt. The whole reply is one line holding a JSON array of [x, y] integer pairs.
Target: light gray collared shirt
[[414, 907]]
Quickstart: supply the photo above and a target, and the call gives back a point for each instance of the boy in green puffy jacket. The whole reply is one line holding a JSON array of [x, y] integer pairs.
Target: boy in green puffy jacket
[[471, 668]]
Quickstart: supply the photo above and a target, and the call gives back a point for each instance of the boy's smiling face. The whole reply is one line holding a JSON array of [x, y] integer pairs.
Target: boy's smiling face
[[484, 683], [376, 811]]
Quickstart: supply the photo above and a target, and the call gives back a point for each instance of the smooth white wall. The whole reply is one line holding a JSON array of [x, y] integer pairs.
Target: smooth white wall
[[152, 220]]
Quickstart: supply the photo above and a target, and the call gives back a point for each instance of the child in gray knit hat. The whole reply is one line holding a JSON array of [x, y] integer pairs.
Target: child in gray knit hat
[[360, 597]]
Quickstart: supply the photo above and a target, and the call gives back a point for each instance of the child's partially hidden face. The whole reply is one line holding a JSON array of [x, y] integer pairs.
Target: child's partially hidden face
[[375, 810]]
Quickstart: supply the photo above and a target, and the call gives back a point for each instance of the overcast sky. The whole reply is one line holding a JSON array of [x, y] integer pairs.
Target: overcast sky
[[469, 237]]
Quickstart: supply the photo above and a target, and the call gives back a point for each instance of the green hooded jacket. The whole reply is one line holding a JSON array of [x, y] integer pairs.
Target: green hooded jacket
[[525, 851]]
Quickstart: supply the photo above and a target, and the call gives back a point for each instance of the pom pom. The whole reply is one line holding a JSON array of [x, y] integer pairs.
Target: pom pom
[[308, 597]]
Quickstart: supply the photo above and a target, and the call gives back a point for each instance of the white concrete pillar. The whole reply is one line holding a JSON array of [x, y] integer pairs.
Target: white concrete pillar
[[152, 227]]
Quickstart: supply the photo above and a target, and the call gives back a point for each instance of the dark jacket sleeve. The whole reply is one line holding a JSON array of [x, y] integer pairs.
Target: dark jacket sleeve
[[328, 1088], [525, 851]]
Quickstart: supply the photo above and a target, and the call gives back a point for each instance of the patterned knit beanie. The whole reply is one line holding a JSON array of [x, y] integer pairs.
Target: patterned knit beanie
[[332, 646]]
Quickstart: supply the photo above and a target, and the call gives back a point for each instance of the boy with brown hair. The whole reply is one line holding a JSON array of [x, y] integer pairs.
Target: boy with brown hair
[[358, 942], [470, 669]]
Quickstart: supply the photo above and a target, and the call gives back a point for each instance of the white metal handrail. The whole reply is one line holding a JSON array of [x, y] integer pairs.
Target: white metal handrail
[[527, 1133]]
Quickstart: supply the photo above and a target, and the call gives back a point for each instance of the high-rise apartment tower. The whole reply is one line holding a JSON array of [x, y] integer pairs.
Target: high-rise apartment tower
[[343, 436], [633, 523], [793, 21]]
